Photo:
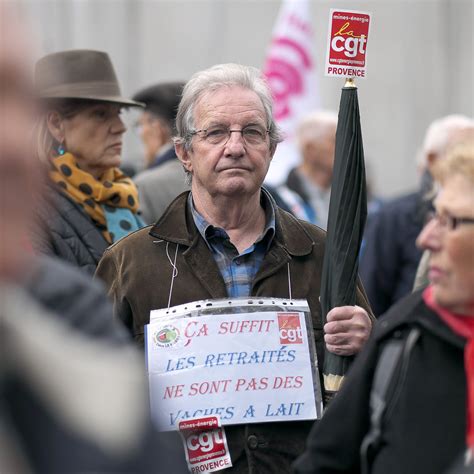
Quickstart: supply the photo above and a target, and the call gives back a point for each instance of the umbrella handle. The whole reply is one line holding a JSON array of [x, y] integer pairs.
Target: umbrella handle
[[350, 83]]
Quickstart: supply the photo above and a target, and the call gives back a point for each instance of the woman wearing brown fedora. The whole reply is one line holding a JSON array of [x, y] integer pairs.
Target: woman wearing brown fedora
[[91, 202]]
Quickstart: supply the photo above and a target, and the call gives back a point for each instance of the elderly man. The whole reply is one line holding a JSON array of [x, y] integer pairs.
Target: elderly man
[[156, 123], [226, 238], [164, 179]]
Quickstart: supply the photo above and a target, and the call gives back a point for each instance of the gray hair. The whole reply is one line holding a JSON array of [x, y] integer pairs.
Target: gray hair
[[316, 126], [441, 133], [214, 78]]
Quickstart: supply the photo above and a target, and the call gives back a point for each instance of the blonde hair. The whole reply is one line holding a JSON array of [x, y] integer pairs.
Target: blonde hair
[[44, 140]]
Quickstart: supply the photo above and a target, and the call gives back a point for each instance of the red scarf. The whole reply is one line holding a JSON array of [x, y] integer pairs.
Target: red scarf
[[464, 326]]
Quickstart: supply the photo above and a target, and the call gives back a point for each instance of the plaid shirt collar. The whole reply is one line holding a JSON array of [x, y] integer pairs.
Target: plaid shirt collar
[[208, 230], [238, 270]]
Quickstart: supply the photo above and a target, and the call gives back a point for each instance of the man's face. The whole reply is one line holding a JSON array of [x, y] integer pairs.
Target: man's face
[[318, 158], [451, 267], [234, 168], [153, 135]]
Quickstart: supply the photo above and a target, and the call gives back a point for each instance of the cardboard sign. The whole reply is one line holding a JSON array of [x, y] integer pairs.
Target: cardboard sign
[[245, 367], [347, 43], [205, 444]]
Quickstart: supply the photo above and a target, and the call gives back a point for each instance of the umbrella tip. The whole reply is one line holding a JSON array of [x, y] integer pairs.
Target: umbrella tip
[[350, 82]]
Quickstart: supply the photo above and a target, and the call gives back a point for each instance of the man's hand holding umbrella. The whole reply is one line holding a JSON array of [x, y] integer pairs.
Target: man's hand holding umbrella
[[347, 329]]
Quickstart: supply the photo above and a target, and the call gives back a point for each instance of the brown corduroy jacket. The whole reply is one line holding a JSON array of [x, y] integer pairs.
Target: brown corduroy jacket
[[138, 272]]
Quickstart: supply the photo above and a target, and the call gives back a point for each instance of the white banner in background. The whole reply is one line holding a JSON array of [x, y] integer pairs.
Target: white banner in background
[[246, 367], [291, 73]]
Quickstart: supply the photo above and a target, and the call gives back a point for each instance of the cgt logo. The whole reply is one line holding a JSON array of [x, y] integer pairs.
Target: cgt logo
[[207, 443], [290, 328], [348, 38]]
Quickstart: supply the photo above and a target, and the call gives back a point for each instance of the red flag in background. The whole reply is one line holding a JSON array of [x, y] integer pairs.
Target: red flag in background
[[291, 71]]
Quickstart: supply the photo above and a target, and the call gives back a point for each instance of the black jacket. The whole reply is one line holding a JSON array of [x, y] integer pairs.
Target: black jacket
[[426, 430], [295, 184], [390, 258], [73, 297], [65, 230]]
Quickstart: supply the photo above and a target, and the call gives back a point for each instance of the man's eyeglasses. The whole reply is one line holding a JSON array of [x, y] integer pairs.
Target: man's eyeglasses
[[447, 221], [252, 135]]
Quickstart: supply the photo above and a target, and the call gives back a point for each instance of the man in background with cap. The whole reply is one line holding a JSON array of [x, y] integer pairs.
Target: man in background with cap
[[164, 177]]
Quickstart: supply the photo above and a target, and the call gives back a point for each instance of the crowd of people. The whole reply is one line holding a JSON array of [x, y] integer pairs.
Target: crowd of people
[[87, 252]]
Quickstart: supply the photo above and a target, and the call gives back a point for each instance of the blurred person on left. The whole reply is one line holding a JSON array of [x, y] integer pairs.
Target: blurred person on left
[[17, 116], [58, 337], [91, 202]]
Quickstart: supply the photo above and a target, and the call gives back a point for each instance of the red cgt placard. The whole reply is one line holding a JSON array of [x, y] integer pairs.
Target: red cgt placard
[[205, 444], [347, 43]]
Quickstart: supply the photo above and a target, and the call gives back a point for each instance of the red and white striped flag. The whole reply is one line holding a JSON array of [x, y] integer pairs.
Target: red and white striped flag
[[291, 72]]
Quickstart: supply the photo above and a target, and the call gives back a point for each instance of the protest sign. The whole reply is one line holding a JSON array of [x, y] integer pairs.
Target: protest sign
[[246, 366], [347, 43]]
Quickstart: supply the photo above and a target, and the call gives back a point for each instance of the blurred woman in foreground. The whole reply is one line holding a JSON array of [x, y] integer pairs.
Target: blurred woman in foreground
[[427, 405], [91, 202]]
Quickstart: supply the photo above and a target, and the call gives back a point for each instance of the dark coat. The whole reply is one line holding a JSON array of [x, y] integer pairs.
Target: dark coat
[[163, 158], [390, 257], [65, 230], [138, 273], [73, 297], [294, 183], [80, 303], [425, 431]]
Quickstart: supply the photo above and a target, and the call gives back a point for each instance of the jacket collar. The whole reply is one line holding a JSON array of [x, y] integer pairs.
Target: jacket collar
[[411, 311], [295, 183], [165, 154], [177, 225]]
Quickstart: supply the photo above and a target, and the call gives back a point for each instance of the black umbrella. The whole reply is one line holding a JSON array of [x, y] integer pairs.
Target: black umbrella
[[347, 216]]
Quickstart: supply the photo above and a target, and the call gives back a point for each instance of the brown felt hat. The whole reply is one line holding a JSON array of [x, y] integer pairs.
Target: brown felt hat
[[79, 74]]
